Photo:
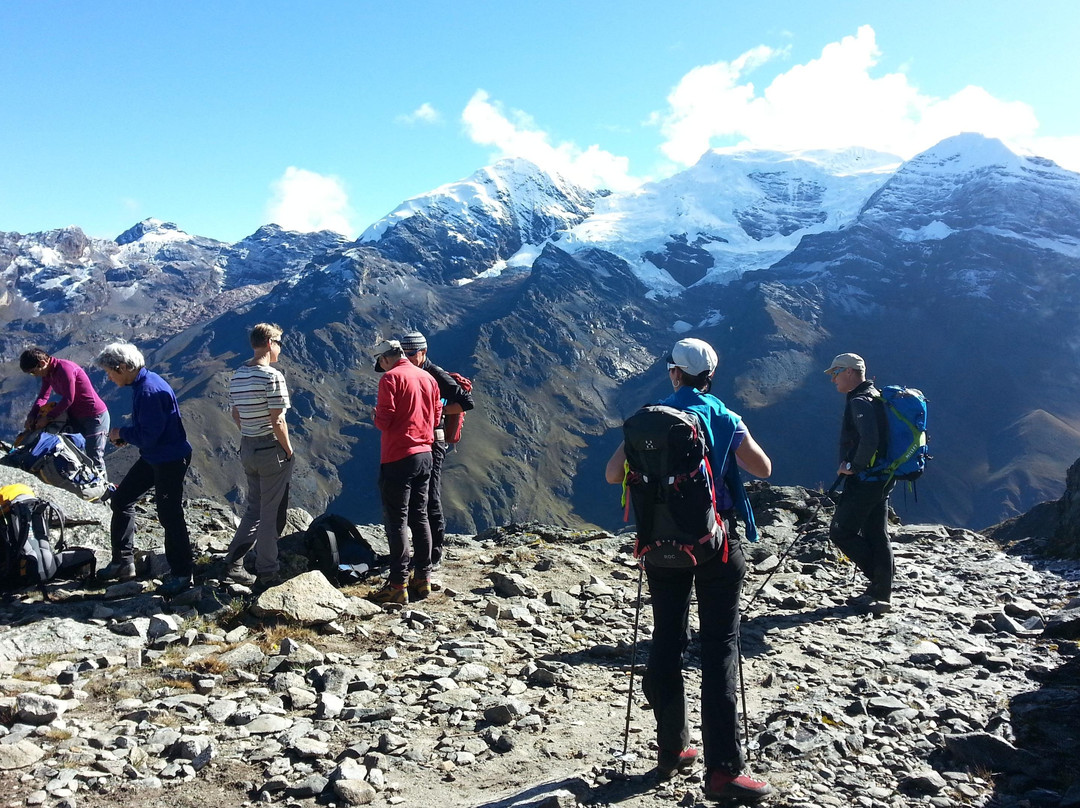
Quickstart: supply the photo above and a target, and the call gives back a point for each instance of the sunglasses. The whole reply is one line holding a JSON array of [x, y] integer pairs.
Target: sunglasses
[[837, 371]]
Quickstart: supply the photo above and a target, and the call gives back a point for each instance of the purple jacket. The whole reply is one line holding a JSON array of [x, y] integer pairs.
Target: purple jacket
[[77, 395]]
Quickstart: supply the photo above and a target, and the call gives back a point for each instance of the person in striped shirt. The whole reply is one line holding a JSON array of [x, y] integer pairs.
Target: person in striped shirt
[[259, 399]]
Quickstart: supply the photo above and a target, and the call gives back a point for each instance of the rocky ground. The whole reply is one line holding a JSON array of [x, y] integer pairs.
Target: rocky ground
[[509, 686]]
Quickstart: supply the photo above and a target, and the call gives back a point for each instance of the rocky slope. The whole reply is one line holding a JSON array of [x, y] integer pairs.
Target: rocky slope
[[509, 686]]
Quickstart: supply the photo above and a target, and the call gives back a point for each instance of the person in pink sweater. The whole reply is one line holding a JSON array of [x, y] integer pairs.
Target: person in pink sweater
[[79, 408]]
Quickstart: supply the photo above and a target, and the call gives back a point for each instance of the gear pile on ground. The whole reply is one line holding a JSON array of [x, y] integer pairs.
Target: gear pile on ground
[[509, 685]]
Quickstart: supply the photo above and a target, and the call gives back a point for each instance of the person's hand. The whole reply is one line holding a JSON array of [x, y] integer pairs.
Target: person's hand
[[114, 437], [41, 422], [844, 470]]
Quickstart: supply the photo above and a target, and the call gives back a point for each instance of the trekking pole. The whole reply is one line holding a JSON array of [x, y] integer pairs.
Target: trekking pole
[[742, 690], [633, 664], [783, 556]]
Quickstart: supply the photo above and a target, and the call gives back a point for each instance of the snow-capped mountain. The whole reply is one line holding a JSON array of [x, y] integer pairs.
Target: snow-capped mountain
[[476, 226], [272, 254], [730, 213], [957, 272]]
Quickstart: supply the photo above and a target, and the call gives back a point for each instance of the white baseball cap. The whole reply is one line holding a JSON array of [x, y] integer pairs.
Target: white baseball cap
[[694, 356]]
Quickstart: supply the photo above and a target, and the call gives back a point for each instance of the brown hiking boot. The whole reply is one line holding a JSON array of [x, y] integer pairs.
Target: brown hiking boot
[[419, 588], [390, 593]]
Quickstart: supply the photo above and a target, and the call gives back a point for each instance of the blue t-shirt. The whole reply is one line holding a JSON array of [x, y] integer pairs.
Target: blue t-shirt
[[724, 433]]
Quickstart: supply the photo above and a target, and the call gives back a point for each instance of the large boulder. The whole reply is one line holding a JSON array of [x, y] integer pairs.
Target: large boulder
[[307, 599]]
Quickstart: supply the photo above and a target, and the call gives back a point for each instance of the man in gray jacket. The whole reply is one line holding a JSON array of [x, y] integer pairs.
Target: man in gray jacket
[[860, 525]]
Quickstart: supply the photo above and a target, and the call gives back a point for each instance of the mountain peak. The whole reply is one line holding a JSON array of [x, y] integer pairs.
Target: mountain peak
[[160, 230]]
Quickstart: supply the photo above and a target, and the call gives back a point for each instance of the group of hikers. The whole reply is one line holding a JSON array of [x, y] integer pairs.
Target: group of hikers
[[414, 398], [415, 395]]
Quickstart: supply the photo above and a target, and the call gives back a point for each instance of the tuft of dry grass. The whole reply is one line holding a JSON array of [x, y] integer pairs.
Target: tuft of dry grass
[[271, 637], [209, 664], [177, 684]]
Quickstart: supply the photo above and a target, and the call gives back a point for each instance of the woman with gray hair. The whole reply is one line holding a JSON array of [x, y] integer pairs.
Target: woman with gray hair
[[164, 457]]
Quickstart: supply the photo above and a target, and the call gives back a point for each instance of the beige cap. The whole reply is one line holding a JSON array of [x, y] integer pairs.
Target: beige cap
[[847, 360]]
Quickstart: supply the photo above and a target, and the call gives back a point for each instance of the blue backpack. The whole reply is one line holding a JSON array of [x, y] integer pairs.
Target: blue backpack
[[905, 454]]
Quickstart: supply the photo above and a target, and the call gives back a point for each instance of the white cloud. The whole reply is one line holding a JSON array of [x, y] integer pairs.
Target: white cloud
[[305, 201], [425, 113], [1065, 151], [517, 135], [829, 102]]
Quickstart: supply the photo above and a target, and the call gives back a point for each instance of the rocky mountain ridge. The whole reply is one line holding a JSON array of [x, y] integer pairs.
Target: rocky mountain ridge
[[509, 686], [950, 273]]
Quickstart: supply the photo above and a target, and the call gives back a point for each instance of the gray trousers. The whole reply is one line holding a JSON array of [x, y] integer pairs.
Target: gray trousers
[[268, 472]]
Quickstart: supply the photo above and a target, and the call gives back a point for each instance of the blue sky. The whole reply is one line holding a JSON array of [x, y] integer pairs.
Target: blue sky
[[222, 116]]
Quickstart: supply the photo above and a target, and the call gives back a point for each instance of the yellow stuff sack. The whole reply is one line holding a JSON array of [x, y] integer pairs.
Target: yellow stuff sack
[[10, 493]]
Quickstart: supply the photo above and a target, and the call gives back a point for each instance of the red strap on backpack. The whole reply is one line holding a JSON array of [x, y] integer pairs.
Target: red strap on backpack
[[462, 382]]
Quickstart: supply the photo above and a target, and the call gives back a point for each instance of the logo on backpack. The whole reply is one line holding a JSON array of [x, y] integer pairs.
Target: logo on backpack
[[670, 485], [336, 548], [905, 452]]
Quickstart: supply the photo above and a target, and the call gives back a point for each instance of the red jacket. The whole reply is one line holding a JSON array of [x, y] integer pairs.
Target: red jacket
[[407, 411]]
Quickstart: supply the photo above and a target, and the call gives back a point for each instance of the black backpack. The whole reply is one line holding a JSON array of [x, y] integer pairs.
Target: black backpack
[[336, 548], [670, 485], [28, 554]]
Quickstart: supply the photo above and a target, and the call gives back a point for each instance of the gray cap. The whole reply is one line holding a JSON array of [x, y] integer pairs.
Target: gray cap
[[847, 360], [384, 346]]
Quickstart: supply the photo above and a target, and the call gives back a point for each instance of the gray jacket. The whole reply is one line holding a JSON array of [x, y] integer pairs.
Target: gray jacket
[[862, 429]]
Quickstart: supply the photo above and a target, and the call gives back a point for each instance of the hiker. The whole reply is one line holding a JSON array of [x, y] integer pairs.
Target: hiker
[[164, 457], [259, 399], [79, 409], [406, 413], [454, 399], [718, 584], [860, 524]]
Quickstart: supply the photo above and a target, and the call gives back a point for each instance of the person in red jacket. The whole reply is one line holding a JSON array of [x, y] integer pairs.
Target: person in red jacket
[[406, 413], [79, 409]]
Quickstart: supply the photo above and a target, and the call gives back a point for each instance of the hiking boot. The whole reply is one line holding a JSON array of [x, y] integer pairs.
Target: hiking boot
[[669, 762], [419, 588], [173, 585], [120, 570], [880, 607], [390, 593], [237, 574], [267, 581], [720, 785]]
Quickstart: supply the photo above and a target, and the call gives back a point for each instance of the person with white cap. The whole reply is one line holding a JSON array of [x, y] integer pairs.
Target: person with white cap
[[718, 584], [407, 411], [860, 524]]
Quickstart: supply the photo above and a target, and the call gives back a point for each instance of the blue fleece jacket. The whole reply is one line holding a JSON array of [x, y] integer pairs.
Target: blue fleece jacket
[[156, 427]]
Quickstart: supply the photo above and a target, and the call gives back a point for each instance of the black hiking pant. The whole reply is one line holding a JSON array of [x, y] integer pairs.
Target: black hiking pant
[[718, 585], [167, 480], [403, 485], [436, 520], [860, 529]]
